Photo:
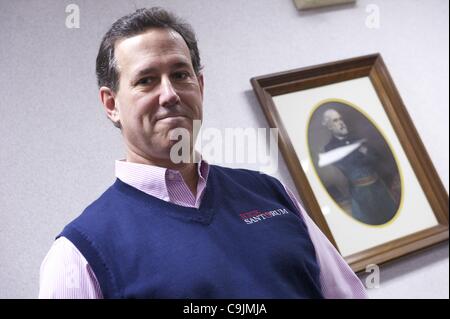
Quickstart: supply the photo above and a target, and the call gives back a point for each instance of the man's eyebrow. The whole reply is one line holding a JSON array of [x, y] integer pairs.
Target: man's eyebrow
[[145, 71], [152, 69], [181, 64]]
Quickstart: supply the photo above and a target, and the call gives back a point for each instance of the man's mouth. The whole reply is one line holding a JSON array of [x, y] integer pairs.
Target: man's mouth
[[172, 116]]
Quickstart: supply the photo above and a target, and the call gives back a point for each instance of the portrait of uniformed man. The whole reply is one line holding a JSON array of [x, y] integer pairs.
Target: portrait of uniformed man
[[362, 185]]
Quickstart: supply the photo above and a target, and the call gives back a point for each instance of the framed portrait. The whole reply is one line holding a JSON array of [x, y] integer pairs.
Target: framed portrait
[[356, 159], [312, 4]]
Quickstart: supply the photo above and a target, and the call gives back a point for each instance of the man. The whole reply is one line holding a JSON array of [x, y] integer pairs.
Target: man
[[186, 230], [371, 201]]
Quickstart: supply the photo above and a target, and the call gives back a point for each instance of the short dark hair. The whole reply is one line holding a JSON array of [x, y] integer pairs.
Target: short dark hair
[[133, 24]]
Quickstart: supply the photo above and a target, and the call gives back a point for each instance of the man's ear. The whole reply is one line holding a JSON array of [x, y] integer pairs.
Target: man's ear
[[108, 99], [200, 82]]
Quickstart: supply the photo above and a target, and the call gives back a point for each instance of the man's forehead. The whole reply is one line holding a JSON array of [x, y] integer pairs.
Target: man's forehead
[[332, 114], [154, 36], [152, 43]]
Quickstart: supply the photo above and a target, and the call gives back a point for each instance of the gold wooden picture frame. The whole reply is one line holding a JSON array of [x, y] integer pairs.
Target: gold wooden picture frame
[[356, 159], [312, 4]]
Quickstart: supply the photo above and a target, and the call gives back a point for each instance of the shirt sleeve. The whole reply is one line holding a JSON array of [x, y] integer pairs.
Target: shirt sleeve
[[337, 279], [66, 274]]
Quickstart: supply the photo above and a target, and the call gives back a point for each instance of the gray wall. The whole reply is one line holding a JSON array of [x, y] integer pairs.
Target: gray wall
[[58, 149]]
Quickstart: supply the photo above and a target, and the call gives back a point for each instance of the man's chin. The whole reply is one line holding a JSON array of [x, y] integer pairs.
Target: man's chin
[[179, 137], [175, 121], [178, 132]]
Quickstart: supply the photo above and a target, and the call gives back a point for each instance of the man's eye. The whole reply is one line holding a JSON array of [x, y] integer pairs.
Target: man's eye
[[144, 81], [181, 75]]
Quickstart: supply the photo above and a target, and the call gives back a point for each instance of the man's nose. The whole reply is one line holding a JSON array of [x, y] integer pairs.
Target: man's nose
[[168, 95]]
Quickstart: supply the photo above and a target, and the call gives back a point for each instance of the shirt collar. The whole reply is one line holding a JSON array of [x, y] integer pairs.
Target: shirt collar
[[154, 180]]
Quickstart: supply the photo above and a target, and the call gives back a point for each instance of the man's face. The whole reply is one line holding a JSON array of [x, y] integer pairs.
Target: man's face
[[336, 124], [158, 91]]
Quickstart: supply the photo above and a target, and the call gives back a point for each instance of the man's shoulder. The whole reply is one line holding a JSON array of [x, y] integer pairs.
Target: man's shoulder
[[106, 197], [236, 171], [233, 170], [332, 144], [103, 204], [245, 176]]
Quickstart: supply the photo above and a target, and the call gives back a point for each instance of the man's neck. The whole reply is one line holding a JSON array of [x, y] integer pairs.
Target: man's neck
[[187, 170], [190, 176]]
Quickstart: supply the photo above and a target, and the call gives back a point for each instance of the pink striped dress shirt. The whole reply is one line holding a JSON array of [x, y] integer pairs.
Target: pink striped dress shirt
[[65, 273]]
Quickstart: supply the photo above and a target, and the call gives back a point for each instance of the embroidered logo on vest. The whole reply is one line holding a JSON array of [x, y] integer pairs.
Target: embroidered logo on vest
[[256, 216]]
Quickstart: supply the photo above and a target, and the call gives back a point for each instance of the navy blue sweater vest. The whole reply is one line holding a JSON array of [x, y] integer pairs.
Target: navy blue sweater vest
[[246, 240]]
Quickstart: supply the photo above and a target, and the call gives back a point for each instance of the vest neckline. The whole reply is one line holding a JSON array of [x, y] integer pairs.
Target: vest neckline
[[203, 215]]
